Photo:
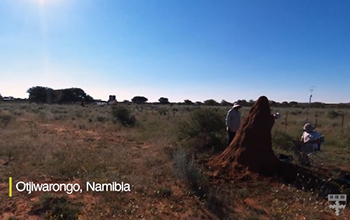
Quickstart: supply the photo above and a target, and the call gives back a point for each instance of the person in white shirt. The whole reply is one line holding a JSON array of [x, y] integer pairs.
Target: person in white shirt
[[311, 140], [311, 137], [233, 121]]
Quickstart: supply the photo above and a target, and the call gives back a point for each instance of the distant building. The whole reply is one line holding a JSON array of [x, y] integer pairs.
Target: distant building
[[112, 100], [8, 98], [100, 102]]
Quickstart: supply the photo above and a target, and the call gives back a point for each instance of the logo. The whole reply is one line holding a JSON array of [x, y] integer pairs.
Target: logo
[[339, 202]]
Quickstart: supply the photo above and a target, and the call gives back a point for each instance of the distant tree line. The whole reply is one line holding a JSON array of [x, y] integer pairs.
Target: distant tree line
[[242, 102], [41, 94]]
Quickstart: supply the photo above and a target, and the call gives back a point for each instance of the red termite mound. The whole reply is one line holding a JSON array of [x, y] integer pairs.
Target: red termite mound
[[251, 147]]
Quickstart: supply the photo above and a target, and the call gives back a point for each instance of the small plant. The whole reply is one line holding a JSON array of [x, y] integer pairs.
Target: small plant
[[82, 127], [78, 114], [298, 112], [101, 118], [215, 203], [282, 140], [18, 113], [164, 192], [52, 207], [333, 114], [243, 192], [123, 115], [205, 127], [5, 120], [59, 117], [174, 111], [162, 111], [185, 169]]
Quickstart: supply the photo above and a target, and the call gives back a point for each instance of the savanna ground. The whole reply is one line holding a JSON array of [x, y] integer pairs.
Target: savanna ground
[[162, 153]]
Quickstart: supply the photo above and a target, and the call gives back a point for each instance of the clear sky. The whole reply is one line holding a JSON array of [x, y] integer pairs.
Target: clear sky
[[179, 49]]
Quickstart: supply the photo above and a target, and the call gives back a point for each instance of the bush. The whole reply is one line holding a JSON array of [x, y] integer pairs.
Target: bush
[[56, 208], [162, 111], [282, 140], [186, 170], [205, 128], [123, 115], [296, 112], [101, 118], [164, 192], [333, 114], [5, 119]]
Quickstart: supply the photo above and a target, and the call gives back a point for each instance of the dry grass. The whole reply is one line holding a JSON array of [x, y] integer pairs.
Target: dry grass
[[70, 143]]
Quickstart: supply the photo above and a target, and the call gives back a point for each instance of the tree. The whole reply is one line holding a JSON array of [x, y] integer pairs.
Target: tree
[[243, 102], [317, 105], [293, 103], [163, 100], [188, 102], [273, 103], [0, 97], [225, 103], [285, 104], [88, 99], [41, 94], [139, 99], [72, 95], [211, 102]]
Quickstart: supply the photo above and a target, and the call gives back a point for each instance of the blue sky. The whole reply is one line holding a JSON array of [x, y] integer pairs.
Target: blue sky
[[179, 49]]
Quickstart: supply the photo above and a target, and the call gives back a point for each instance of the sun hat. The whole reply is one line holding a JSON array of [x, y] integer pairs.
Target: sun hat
[[277, 115], [236, 105], [308, 127]]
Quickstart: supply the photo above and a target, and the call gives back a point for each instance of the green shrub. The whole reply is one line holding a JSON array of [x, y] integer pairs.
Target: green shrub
[[186, 170], [164, 192], [100, 118], [297, 112], [332, 114], [52, 207], [123, 115], [5, 119], [78, 114], [162, 111], [282, 140], [205, 128]]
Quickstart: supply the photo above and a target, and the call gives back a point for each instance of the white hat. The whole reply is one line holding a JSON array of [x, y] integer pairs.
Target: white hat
[[277, 115], [308, 127], [236, 105]]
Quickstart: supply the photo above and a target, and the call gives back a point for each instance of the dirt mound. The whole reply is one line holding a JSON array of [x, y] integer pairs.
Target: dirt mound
[[251, 147], [250, 155]]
